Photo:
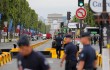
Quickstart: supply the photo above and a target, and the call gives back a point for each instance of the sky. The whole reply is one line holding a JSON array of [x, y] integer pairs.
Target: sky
[[45, 7]]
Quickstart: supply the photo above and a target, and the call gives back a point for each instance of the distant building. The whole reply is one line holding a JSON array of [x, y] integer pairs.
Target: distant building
[[54, 20]]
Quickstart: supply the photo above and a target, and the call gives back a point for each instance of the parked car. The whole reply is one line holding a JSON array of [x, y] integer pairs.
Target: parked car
[[33, 38], [44, 36]]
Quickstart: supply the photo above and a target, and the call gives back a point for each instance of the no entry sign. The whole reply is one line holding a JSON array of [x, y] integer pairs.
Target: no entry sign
[[81, 13]]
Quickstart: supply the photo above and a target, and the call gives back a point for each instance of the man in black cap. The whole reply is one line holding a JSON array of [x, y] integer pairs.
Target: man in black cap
[[70, 54], [58, 45], [87, 58], [29, 59]]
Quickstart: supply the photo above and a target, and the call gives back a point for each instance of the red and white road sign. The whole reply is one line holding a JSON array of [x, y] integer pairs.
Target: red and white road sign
[[81, 13]]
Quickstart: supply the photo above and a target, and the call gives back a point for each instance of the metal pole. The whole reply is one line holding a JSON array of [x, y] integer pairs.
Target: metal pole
[[45, 29], [80, 27], [100, 39], [105, 50]]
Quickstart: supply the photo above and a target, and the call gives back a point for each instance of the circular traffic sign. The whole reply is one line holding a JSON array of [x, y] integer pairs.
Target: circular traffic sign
[[81, 13]]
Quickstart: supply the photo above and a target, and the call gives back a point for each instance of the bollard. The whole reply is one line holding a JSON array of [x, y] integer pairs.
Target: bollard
[[1, 60]]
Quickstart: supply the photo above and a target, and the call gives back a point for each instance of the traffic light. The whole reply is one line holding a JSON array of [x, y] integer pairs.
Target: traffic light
[[80, 3], [62, 24], [68, 15]]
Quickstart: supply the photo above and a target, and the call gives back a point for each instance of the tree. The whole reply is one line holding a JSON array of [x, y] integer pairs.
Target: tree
[[75, 19], [20, 12], [90, 17]]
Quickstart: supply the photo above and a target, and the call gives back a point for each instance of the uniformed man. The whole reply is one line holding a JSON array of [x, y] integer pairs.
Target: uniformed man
[[70, 54], [87, 58], [29, 59], [58, 45]]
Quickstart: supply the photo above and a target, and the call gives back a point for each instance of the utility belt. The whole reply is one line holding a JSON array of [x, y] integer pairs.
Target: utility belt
[[68, 61]]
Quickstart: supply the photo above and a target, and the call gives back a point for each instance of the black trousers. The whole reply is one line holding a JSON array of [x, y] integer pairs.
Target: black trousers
[[58, 51], [70, 65]]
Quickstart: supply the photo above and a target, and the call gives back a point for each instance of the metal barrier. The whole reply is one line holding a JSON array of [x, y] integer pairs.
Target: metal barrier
[[5, 57], [54, 55], [14, 51], [53, 52]]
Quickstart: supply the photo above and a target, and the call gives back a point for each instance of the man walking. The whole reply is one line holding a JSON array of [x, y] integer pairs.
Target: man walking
[[87, 58], [70, 54], [29, 59], [58, 45]]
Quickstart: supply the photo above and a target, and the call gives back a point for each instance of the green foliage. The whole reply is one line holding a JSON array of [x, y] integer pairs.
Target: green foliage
[[19, 11], [90, 17], [75, 19]]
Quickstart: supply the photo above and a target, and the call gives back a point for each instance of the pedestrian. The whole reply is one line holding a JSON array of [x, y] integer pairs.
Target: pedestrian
[[87, 57], [95, 40], [70, 55], [58, 45], [28, 59]]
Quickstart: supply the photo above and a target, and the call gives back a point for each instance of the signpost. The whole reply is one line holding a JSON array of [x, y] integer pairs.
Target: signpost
[[81, 14], [97, 6]]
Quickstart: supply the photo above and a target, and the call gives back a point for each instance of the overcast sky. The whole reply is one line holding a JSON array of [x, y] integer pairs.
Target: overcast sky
[[45, 7]]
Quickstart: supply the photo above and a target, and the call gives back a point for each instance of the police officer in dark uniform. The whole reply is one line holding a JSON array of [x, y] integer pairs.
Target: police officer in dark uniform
[[70, 54], [87, 58], [28, 59], [58, 45]]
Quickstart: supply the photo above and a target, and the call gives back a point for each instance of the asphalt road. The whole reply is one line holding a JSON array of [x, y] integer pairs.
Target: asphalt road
[[10, 44], [54, 63]]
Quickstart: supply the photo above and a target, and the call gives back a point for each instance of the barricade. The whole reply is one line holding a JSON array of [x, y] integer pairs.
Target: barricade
[[5, 57], [53, 52], [47, 54], [1, 60], [99, 59], [14, 51], [8, 56]]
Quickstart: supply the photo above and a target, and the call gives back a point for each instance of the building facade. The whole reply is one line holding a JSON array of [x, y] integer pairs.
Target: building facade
[[54, 20]]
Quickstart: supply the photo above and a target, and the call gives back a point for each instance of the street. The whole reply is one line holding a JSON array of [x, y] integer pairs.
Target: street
[[54, 63], [46, 25], [10, 44]]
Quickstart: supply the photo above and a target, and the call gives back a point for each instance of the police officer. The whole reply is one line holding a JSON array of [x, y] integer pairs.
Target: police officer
[[70, 54], [87, 58], [29, 59], [58, 45]]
